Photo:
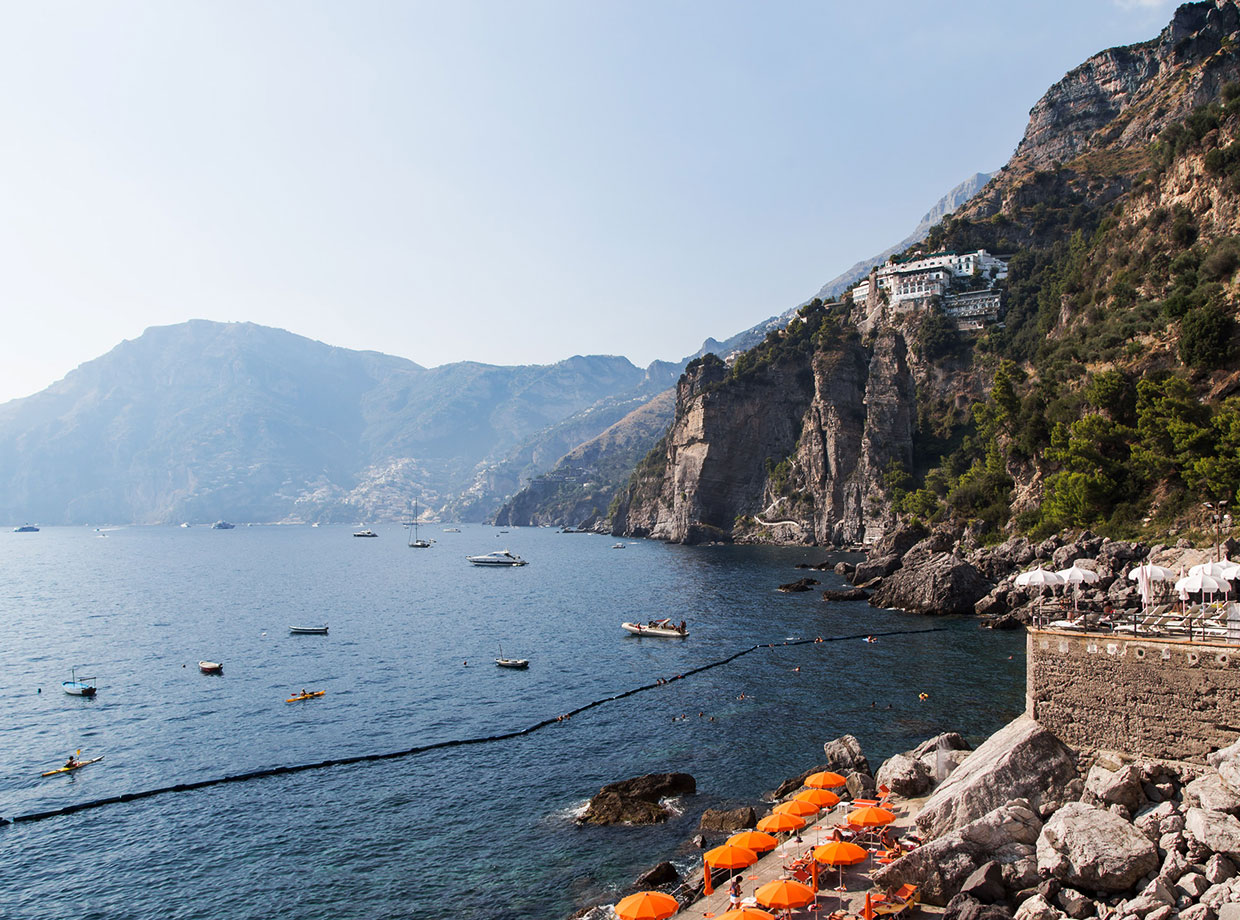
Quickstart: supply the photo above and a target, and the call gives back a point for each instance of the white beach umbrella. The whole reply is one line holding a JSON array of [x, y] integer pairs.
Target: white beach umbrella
[[1038, 578], [1199, 582], [1222, 570], [1151, 572], [1075, 575]]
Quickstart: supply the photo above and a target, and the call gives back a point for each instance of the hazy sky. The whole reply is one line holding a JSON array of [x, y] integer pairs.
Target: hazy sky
[[509, 182]]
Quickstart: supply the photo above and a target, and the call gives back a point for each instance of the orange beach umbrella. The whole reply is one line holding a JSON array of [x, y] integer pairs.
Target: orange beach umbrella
[[753, 840], [647, 905], [784, 894], [800, 808], [781, 822], [728, 856], [824, 780], [870, 816], [747, 913], [820, 797], [840, 853]]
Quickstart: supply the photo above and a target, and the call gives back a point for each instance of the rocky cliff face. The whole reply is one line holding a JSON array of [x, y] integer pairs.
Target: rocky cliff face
[[1128, 94], [796, 440], [791, 451]]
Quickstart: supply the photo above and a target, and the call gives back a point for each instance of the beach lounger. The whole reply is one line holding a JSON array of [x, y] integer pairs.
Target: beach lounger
[[900, 903]]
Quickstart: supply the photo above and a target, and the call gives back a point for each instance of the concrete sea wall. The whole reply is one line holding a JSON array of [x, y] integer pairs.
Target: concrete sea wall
[[1169, 699]]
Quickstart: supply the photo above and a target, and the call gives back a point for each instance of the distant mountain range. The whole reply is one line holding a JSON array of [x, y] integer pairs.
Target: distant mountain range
[[204, 421]]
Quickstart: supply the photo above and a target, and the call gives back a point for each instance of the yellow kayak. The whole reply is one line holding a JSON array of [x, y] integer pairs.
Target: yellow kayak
[[305, 696], [76, 766]]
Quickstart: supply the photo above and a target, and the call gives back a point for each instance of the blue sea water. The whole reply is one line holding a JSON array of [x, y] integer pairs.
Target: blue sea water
[[479, 831]]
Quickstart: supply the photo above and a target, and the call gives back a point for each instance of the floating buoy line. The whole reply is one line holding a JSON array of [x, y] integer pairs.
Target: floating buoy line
[[438, 745]]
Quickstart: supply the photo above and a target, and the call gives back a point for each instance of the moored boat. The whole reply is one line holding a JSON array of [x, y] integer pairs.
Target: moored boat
[[308, 630], [211, 667], [78, 687], [662, 629], [498, 558], [519, 664]]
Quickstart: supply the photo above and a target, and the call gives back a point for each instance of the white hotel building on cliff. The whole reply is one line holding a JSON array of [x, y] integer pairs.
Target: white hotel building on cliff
[[908, 286]]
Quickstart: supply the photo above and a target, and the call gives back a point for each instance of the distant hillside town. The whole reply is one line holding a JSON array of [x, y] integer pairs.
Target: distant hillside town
[[963, 286]]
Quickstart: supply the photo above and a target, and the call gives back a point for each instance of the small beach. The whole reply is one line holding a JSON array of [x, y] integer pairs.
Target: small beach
[[790, 860]]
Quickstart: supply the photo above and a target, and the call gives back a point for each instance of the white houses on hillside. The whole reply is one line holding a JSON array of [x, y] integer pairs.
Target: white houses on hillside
[[910, 285]]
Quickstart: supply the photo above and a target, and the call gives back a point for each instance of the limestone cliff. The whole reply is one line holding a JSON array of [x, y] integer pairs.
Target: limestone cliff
[[792, 448]]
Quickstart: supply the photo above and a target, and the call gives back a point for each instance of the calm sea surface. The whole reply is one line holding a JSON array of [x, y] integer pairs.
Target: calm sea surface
[[481, 831]]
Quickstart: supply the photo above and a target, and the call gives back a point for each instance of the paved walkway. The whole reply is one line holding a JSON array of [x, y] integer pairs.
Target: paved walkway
[[772, 866]]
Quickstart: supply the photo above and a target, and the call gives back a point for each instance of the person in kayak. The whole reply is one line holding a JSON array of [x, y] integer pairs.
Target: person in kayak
[[71, 762]]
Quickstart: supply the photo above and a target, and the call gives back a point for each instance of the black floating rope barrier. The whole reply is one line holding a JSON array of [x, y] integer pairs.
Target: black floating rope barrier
[[438, 745]]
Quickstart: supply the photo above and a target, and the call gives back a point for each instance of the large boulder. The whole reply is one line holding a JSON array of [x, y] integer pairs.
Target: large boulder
[[727, 820], [904, 776], [1005, 835], [1094, 849], [900, 541], [938, 583], [860, 785], [875, 567], [1213, 832], [636, 801], [845, 594], [662, 874], [844, 755], [1119, 787], [1020, 761], [801, 584], [1212, 794], [941, 755], [963, 907], [986, 883]]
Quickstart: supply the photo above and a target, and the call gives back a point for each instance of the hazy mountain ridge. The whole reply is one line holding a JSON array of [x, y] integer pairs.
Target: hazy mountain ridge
[[956, 198], [206, 420]]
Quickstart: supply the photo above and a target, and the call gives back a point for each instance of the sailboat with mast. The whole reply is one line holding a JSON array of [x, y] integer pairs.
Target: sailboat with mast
[[414, 541]]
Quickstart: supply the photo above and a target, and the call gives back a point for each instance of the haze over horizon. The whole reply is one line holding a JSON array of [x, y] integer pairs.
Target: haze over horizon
[[490, 182]]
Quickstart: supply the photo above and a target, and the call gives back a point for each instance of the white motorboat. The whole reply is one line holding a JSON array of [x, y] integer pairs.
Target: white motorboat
[[308, 630], [365, 533], [617, 546], [499, 557], [661, 629], [211, 667]]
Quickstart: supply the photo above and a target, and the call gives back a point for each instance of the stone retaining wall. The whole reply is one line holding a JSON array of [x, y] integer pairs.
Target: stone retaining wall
[[1169, 699]]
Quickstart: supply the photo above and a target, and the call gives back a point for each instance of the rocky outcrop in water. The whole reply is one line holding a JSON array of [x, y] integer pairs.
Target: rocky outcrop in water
[[637, 800]]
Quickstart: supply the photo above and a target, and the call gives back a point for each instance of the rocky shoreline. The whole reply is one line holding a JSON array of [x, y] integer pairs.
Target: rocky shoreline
[[1026, 828], [941, 573]]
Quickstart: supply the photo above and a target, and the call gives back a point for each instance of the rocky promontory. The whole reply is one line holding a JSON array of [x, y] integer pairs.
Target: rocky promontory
[[945, 572]]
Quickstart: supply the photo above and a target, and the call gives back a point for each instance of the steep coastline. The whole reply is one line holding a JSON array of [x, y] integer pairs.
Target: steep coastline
[[1116, 220], [782, 452]]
